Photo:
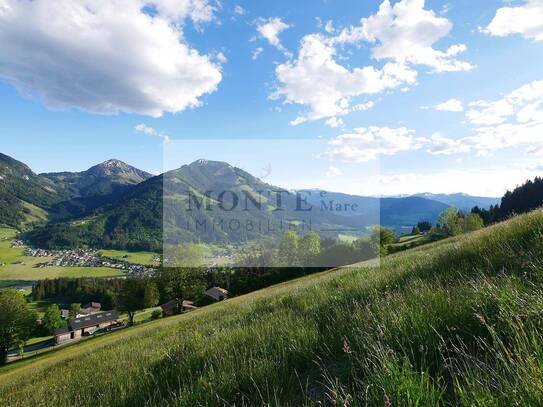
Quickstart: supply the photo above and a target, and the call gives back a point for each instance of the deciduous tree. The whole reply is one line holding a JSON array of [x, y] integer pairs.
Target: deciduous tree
[[52, 319], [451, 220], [288, 249], [473, 222], [380, 238], [137, 294], [17, 321], [309, 248]]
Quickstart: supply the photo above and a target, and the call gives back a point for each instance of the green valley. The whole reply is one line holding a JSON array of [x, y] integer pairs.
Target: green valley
[[454, 322]]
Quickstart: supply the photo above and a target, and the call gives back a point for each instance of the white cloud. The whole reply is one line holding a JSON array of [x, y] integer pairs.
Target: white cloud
[[366, 144], [512, 121], [489, 113], [451, 105], [526, 20], [329, 27], [240, 11], [363, 106], [530, 113], [106, 56], [535, 150], [516, 120], [406, 33], [402, 35], [334, 122], [482, 181], [316, 80], [143, 128], [443, 145], [150, 131], [333, 172], [221, 58], [270, 29], [256, 53]]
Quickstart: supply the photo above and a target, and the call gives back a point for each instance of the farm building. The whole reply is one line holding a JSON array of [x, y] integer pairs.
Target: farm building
[[217, 293], [173, 307], [91, 308], [86, 325]]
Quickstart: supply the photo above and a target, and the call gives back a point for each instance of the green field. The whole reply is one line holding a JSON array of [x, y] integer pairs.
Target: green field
[[141, 316], [7, 233], [32, 341], [27, 273], [456, 322], [410, 241], [145, 258], [18, 267]]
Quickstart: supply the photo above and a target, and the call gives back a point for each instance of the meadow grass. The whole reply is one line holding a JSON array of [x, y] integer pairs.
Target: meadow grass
[[26, 272], [7, 233], [9, 254], [456, 322], [145, 258]]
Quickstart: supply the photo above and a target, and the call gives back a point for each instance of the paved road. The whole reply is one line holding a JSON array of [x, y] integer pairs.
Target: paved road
[[31, 348]]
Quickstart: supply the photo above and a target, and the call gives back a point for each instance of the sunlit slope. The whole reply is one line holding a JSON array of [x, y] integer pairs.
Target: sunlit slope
[[457, 322]]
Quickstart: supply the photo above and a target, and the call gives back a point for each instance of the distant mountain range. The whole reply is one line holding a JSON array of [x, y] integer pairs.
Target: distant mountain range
[[116, 205], [400, 213], [464, 202]]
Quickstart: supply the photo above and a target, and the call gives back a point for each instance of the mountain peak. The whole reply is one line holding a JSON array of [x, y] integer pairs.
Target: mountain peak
[[204, 162], [113, 162], [114, 167]]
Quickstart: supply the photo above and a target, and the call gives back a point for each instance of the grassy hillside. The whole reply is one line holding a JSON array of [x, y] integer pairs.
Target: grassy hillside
[[457, 322]]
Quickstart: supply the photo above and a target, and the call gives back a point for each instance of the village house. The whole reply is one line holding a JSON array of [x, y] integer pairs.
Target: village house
[[217, 293], [173, 307], [90, 308], [87, 325]]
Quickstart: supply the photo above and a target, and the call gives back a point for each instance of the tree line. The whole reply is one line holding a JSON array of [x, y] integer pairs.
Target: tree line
[[523, 199]]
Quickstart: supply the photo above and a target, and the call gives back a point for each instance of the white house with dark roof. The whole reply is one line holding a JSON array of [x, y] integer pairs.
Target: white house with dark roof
[[86, 325]]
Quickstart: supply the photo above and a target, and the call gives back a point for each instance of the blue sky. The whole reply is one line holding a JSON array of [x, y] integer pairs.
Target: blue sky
[[382, 97]]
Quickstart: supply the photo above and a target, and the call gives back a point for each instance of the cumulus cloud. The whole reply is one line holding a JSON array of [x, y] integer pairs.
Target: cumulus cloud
[[150, 131], [514, 120], [317, 80], [526, 20], [403, 36], [256, 53], [451, 105], [363, 106], [525, 102], [406, 32], [106, 56], [270, 28], [439, 144], [333, 172], [487, 113], [334, 122], [486, 181], [366, 144], [240, 11]]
